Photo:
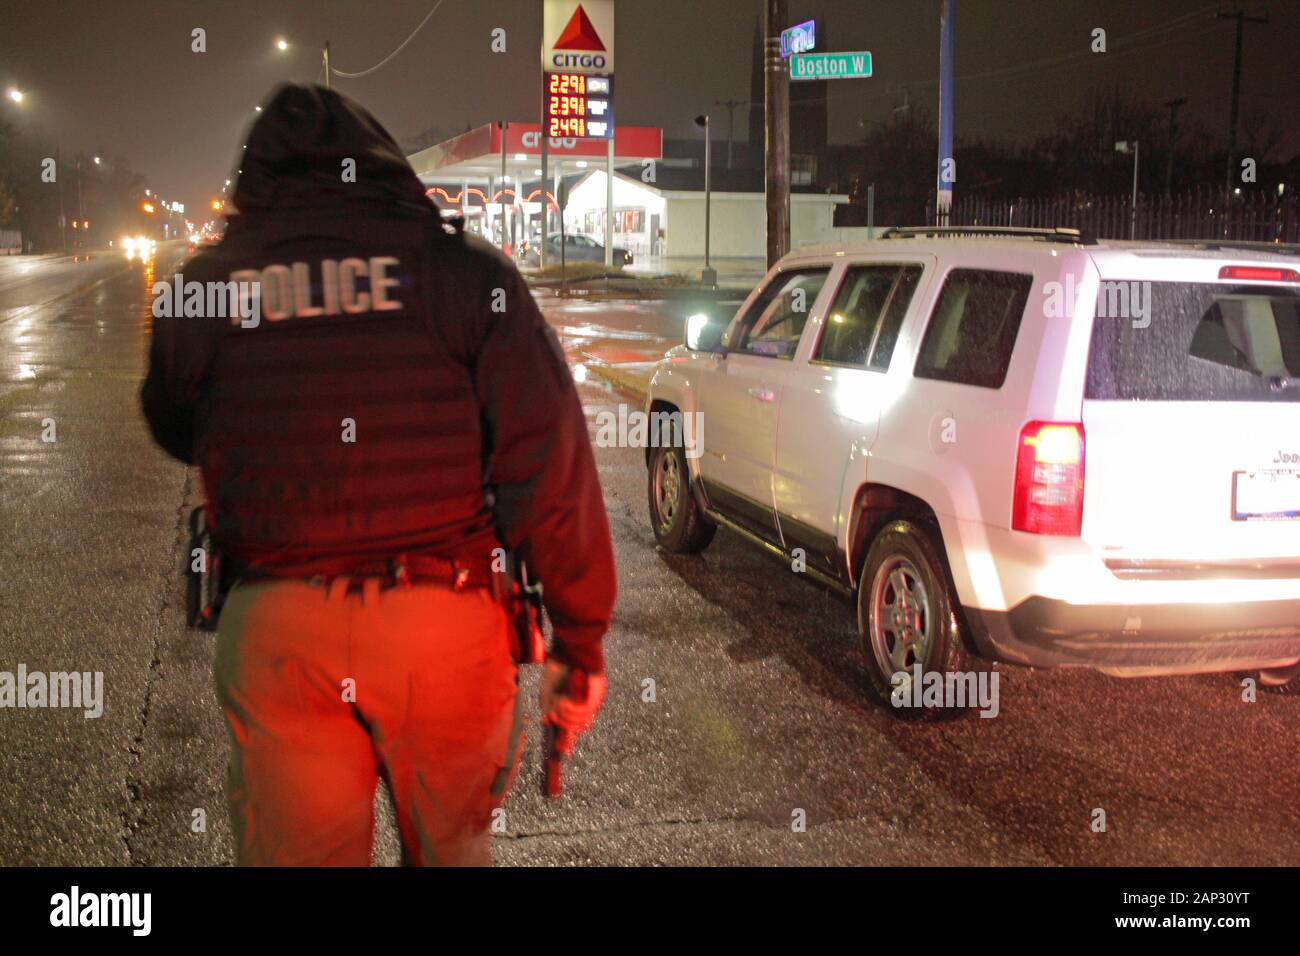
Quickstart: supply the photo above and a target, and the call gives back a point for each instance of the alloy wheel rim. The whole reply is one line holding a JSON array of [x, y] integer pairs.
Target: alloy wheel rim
[[667, 489], [902, 620]]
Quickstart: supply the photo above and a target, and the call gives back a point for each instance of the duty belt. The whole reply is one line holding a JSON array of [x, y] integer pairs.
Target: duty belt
[[406, 570]]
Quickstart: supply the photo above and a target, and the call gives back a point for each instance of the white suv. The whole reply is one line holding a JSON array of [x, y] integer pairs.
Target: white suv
[[1012, 443]]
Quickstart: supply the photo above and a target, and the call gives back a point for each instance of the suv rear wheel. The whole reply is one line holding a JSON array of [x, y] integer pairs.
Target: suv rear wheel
[[907, 615], [678, 522]]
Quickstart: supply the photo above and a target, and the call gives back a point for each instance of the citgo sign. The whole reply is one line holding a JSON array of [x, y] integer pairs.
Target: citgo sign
[[578, 36]]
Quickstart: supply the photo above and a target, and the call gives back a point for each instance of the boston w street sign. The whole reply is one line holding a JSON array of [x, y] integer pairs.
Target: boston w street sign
[[830, 66]]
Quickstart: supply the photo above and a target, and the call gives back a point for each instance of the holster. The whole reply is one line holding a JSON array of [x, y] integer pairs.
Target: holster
[[524, 605], [208, 576]]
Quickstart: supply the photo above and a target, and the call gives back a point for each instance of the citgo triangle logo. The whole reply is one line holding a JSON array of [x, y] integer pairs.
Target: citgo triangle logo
[[579, 34]]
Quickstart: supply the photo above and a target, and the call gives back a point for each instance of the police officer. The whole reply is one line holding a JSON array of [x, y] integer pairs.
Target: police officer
[[384, 414]]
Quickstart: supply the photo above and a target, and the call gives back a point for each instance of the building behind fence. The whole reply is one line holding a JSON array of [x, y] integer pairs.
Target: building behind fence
[[1258, 216]]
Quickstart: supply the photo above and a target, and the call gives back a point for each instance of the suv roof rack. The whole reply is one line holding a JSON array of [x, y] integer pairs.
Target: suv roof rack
[[1243, 245], [1016, 232]]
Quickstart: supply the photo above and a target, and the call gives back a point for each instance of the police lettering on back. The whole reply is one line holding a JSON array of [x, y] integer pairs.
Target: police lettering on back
[[291, 291]]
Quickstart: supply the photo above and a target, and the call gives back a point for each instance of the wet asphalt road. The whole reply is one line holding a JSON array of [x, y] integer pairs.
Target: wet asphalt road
[[758, 716]]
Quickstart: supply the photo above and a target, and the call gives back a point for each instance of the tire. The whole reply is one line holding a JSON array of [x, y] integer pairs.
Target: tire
[[905, 574], [1282, 681], [679, 525]]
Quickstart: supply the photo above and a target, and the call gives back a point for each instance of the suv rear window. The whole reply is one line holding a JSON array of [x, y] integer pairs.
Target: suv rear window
[[973, 327], [1209, 342]]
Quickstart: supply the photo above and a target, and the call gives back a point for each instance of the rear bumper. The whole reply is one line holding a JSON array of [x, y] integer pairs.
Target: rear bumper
[[1135, 639]]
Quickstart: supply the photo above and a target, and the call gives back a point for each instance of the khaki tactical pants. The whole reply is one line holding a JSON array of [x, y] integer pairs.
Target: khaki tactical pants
[[325, 686]]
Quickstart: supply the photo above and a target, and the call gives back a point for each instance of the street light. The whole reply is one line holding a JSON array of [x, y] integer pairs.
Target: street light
[[709, 276], [282, 44], [97, 162], [14, 94]]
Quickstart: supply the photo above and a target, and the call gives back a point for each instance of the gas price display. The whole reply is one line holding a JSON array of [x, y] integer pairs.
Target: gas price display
[[579, 105]]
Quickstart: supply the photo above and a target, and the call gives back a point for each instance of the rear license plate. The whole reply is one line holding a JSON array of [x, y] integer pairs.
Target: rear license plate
[[1271, 494]]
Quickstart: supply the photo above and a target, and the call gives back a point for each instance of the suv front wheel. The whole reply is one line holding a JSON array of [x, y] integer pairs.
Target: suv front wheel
[[678, 522], [907, 616]]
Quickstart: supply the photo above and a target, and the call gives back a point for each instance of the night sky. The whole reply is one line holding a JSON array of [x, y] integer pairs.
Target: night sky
[[117, 77]]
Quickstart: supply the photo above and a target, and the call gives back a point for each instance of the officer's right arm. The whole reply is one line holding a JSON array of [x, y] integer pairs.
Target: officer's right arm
[[548, 502], [180, 353]]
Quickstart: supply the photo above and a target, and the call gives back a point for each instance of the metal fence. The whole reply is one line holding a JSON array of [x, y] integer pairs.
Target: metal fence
[[1254, 217]]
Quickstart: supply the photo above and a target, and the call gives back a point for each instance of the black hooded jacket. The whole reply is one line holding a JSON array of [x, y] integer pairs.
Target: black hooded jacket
[[395, 391]]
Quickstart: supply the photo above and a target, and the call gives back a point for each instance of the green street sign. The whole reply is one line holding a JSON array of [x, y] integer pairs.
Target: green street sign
[[830, 66]]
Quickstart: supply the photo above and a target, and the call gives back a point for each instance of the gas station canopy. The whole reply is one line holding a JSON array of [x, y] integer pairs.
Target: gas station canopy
[[475, 155]]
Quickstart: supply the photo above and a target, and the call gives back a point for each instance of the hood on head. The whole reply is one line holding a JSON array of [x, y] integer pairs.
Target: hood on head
[[296, 151]]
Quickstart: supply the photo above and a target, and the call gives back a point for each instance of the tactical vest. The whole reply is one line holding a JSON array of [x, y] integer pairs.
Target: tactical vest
[[340, 430]]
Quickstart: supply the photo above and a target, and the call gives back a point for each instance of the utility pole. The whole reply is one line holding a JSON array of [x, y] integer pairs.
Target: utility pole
[[776, 108], [731, 121], [1173, 106], [1242, 19], [327, 64]]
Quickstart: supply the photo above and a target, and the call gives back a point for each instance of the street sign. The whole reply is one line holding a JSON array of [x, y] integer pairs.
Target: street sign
[[578, 105], [830, 66], [578, 37], [799, 38]]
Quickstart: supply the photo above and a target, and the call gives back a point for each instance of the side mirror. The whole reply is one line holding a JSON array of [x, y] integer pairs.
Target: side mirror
[[703, 335]]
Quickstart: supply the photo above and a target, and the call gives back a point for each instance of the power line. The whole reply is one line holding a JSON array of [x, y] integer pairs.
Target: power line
[[385, 60]]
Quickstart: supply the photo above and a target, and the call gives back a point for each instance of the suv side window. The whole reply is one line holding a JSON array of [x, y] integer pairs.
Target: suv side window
[[774, 323], [866, 316], [895, 310], [973, 327]]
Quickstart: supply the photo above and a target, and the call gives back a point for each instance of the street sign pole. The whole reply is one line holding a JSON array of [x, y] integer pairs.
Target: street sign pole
[[776, 100]]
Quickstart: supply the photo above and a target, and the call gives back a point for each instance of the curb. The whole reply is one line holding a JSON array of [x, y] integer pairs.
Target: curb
[[635, 386]]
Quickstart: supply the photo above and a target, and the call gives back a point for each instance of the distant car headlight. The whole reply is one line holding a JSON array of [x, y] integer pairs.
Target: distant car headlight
[[128, 243]]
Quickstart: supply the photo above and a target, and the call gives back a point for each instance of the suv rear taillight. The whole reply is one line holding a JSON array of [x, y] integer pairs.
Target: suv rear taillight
[[1048, 495]]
